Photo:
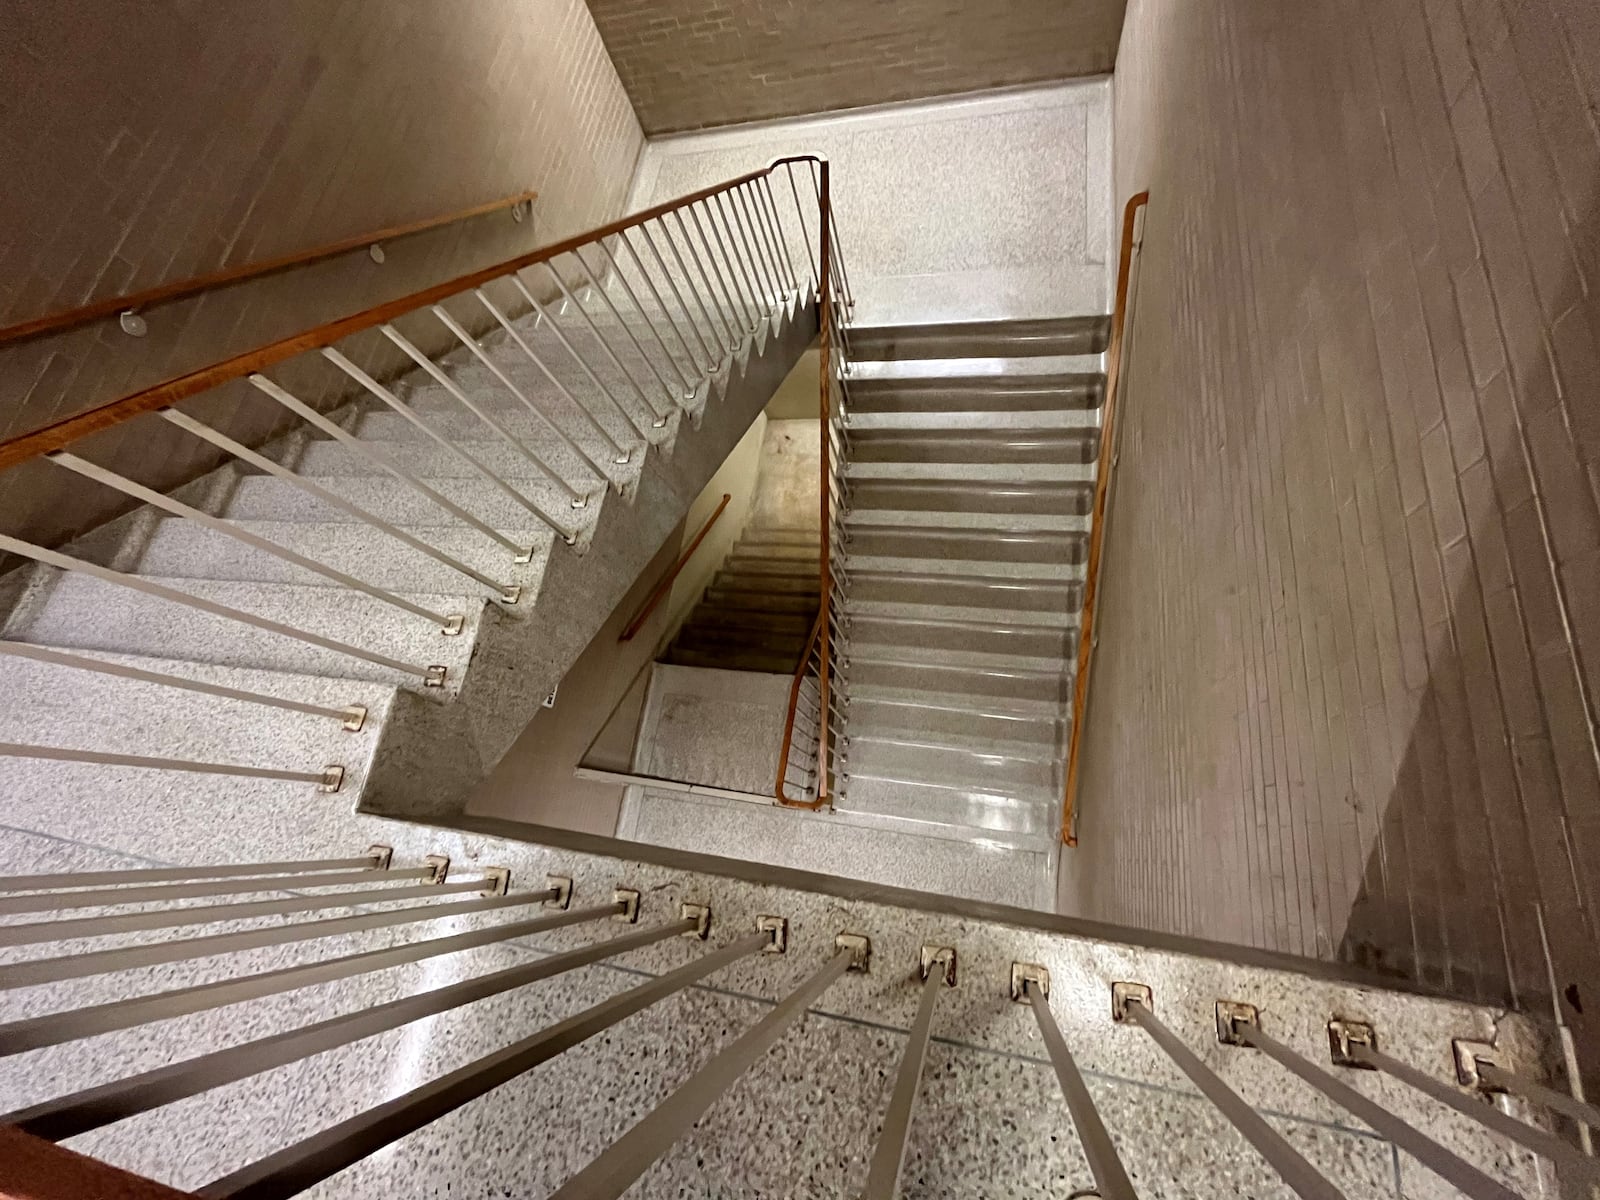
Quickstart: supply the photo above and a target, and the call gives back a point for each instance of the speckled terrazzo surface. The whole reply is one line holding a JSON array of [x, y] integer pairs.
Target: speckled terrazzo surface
[[1001, 203], [801, 1123]]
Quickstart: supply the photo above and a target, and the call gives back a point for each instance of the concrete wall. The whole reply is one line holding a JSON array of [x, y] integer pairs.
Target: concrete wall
[[1344, 698], [987, 206], [151, 143], [688, 64]]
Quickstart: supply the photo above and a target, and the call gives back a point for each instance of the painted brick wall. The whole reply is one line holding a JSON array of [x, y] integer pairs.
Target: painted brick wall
[[144, 143], [1344, 698], [689, 64]]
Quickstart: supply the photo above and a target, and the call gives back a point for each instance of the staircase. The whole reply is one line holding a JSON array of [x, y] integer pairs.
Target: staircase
[[971, 476], [758, 611], [434, 549]]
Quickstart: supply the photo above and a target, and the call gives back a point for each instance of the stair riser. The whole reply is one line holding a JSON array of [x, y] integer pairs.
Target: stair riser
[[1037, 734], [999, 394], [1023, 596], [1007, 498], [1021, 640], [886, 447], [983, 339], [960, 682], [778, 602], [899, 760], [1045, 549]]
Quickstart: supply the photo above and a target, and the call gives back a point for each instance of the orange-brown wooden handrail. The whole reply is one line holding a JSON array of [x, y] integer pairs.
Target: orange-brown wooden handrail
[[788, 724], [667, 580], [178, 289], [1097, 519], [60, 434]]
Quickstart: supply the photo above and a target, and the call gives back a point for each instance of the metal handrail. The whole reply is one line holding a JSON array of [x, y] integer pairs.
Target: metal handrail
[[179, 289], [661, 589], [1097, 523]]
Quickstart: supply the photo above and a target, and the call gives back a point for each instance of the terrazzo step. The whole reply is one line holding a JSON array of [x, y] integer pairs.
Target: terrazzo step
[[1006, 683], [725, 598], [1023, 731], [1082, 422], [926, 758], [766, 664], [973, 472], [72, 708], [428, 459], [764, 582], [982, 339], [263, 498], [910, 611], [1042, 573], [994, 637], [1056, 597], [711, 616], [961, 657], [1025, 817], [884, 541], [1013, 498], [859, 518], [181, 549], [1000, 396], [974, 447], [84, 613]]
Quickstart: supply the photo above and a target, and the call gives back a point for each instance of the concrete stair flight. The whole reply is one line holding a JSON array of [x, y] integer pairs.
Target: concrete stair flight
[[758, 611], [972, 450]]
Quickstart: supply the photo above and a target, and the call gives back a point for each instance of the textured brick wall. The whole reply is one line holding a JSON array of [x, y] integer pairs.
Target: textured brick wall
[[689, 64], [1344, 703], [144, 143]]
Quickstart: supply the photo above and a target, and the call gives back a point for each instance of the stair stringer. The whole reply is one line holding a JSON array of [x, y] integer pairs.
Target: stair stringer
[[432, 755]]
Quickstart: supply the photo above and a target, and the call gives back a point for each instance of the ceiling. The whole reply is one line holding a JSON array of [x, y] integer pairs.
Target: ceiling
[[691, 64]]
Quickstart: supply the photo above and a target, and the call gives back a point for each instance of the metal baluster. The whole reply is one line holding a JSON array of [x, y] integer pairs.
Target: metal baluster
[[620, 457], [35, 932], [709, 358], [1528, 1089], [459, 394], [736, 261], [376, 859], [550, 322], [805, 233], [579, 499], [754, 261], [297, 1167], [597, 289], [111, 1102], [508, 592], [778, 231], [124, 958], [649, 322], [432, 676], [65, 901], [735, 310], [883, 1176], [763, 244], [352, 716], [451, 624], [696, 362], [1110, 1177], [53, 1029], [605, 345], [1424, 1149], [608, 1176], [1299, 1174], [365, 450], [1548, 1145], [329, 779], [730, 331], [749, 310]]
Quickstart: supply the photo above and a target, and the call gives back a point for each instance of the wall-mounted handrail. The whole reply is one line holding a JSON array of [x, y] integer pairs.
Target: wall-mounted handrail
[[178, 289], [60, 434], [659, 593], [1097, 520]]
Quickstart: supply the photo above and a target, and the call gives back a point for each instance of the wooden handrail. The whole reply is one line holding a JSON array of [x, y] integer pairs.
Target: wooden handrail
[[60, 434], [1097, 519], [667, 580], [163, 293], [788, 724]]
